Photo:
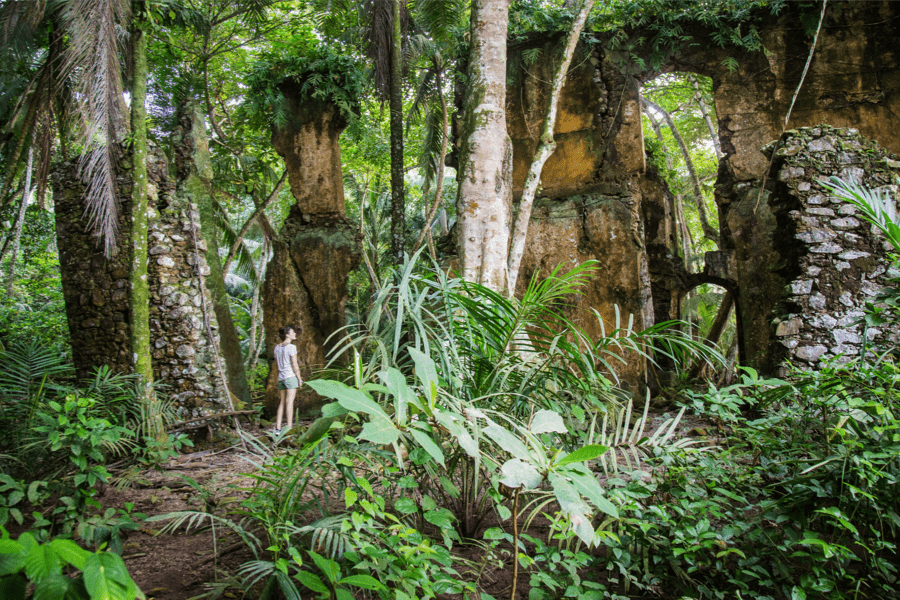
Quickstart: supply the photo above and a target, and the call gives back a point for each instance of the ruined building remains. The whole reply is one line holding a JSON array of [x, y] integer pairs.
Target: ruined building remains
[[601, 202], [183, 329]]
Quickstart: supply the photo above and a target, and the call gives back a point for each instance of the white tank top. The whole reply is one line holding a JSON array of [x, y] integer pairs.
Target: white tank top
[[283, 356]]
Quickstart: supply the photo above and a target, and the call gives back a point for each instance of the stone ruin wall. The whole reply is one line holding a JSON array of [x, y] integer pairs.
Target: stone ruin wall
[[96, 289], [590, 201], [601, 202], [835, 261], [853, 82]]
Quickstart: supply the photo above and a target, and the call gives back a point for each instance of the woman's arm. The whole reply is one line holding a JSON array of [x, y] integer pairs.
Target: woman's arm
[[296, 367]]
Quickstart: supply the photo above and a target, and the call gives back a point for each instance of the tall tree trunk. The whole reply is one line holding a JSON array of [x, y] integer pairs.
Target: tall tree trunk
[[20, 222], [545, 148], [715, 331], [439, 183], [140, 288], [684, 233], [704, 110], [709, 232], [398, 204], [199, 186], [255, 312], [485, 164]]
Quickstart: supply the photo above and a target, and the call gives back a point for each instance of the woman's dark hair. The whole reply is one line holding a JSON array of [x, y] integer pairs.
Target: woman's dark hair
[[283, 331]]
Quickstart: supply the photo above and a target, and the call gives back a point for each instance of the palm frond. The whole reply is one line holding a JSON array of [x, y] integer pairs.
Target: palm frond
[[439, 17], [877, 206], [628, 445], [96, 30]]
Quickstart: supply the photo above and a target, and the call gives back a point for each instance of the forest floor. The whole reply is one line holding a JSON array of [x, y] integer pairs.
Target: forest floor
[[179, 566]]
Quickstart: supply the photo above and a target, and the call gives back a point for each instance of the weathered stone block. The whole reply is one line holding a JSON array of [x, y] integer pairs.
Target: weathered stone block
[[810, 353]]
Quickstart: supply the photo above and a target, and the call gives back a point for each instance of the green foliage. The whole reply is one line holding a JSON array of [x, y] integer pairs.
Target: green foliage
[[34, 571], [797, 506], [879, 208], [321, 74]]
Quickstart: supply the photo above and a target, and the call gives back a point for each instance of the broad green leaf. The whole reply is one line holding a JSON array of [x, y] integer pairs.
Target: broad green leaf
[[380, 431], [70, 552], [348, 397], [516, 473], [424, 440], [40, 562], [798, 593], [363, 581], [426, 373], [342, 594], [57, 587], [121, 584], [350, 497], [567, 495], [587, 485], [547, 421], [403, 396], [583, 454], [406, 506], [333, 410], [506, 440], [441, 517], [327, 566], [312, 582]]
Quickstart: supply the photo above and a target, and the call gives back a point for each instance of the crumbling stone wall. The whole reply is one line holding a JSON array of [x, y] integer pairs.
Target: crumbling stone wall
[[591, 195], [833, 261], [853, 81], [96, 288]]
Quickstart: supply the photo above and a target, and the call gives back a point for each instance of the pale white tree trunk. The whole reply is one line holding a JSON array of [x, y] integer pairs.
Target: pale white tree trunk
[[545, 148], [704, 110], [485, 166], [20, 221]]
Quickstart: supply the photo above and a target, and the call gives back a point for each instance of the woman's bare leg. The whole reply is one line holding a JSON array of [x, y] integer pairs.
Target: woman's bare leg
[[280, 414], [289, 399]]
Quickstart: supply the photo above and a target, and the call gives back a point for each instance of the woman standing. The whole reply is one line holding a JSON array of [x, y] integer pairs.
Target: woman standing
[[288, 375]]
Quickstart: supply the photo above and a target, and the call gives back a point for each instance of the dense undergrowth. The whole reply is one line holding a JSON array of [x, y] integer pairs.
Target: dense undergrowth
[[463, 420]]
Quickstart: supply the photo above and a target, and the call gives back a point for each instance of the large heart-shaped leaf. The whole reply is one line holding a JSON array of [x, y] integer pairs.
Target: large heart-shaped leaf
[[516, 473], [547, 421]]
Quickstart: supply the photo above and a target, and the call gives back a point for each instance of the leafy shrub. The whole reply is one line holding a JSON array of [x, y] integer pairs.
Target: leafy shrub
[[25, 562]]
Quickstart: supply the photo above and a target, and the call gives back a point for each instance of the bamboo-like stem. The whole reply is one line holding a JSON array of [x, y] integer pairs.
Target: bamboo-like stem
[[20, 222], [439, 184], [515, 518]]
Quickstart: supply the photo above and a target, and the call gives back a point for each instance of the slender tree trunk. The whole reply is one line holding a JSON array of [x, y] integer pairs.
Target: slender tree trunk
[[709, 232], [545, 148], [259, 208], [255, 312], [199, 186], [140, 287], [398, 204], [684, 234], [439, 184], [715, 331], [704, 110], [485, 164], [20, 222]]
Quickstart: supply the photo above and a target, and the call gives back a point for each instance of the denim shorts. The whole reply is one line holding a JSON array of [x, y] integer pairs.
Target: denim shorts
[[290, 383]]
